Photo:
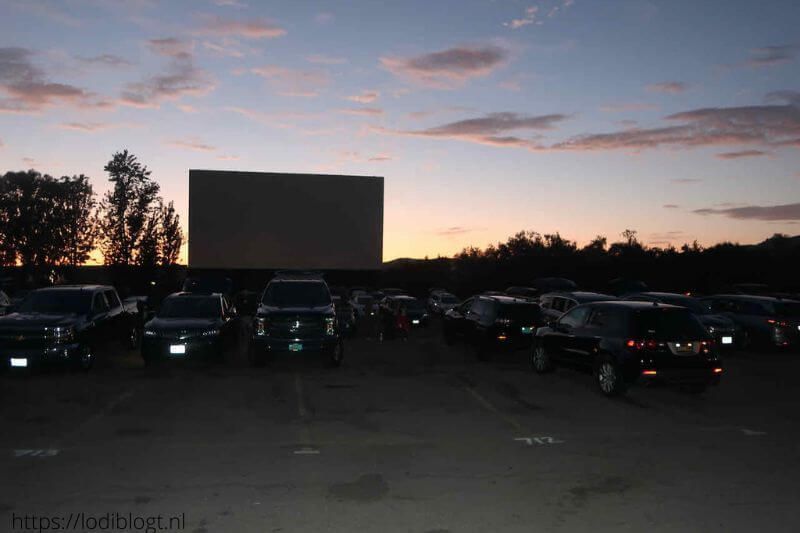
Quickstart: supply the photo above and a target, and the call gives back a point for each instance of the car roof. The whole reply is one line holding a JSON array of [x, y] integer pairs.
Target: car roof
[[753, 298], [76, 288], [628, 304], [404, 297], [506, 299], [656, 294], [189, 294], [586, 296]]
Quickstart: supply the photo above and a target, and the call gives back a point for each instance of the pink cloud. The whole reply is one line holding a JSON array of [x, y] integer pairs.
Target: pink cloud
[[756, 212], [369, 111], [248, 29], [191, 144], [364, 97], [293, 82], [528, 18], [671, 87], [446, 69]]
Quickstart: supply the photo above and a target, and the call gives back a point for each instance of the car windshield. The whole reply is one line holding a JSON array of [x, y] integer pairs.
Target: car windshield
[[412, 305], [296, 294], [57, 301], [787, 309], [692, 304], [449, 299], [669, 325], [364, 300], [190, 307], [520, 312], [207, 285]]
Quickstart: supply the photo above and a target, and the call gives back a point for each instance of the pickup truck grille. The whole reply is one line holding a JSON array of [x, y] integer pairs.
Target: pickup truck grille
[[297, 328]]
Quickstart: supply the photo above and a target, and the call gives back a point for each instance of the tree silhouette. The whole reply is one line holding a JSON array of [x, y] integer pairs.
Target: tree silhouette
[[126, 209]]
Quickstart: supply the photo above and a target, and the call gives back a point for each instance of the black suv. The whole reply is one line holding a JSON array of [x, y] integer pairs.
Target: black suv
[[190, 325], [296, 315], [722, 328], [764, 321], [489, 323], [622, 342], [64, 325], [555, 304]]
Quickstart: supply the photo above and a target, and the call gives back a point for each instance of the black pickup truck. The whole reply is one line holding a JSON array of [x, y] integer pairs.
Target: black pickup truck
[[64, 325]]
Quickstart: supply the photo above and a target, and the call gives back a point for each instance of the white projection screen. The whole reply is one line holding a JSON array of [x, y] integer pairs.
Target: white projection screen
[[263, 220]]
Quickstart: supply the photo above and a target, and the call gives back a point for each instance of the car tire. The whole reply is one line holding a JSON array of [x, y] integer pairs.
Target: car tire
[[336, 355], [85, 360], [695, 388], [541, 362], [256, 357], [134, 338], [609, 378]]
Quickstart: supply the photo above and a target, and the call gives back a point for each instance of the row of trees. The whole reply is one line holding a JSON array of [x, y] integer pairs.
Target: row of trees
[[46, 221], [528, 255]]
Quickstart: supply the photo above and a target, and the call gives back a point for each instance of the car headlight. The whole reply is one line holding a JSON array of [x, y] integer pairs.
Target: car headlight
[[330, 325], [211, 332], [150, 333], [710, 329], [260, 326]]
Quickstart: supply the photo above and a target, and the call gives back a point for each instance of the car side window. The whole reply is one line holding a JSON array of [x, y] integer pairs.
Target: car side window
[[546, 303], [99, 303], [112, 299], [575, 317], [464, 307], [609, 321], [569, 304]]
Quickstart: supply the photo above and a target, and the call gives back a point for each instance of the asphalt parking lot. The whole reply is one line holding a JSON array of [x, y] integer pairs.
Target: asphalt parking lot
[[406, 436]]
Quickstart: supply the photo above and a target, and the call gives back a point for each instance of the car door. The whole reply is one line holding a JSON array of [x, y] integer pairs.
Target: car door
[[560, 341], [473, 317], [454, 321], [604, 323], [116, 322], [100, 330]]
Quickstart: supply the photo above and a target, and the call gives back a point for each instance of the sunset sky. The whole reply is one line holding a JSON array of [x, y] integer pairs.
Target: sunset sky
[[677, 118]]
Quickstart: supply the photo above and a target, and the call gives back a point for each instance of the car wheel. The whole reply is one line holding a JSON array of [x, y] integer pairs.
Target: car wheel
[[134, 338], [481, 351], [609, 379], [336, 355], [695, 388], [85, 359], [256, 357], [541, 361]]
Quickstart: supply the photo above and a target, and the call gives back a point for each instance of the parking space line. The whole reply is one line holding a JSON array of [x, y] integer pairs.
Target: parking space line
[[298, 388], [126, 395], [491, 408], [305, 431]]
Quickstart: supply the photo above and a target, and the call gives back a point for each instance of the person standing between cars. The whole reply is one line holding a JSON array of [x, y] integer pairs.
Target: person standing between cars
[[403, 324]]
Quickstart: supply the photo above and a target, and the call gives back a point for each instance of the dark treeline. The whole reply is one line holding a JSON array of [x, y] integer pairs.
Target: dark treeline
[[49, 225], [529, 255]]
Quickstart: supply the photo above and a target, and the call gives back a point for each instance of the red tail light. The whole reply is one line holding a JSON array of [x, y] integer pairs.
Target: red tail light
[[649, 372], [642, 345], [717, 370], [773, 322]]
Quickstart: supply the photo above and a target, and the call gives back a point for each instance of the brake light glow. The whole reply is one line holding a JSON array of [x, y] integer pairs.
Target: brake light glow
[[717, 370], [501, 337], [649, 372], [642, 345], [774, 322]]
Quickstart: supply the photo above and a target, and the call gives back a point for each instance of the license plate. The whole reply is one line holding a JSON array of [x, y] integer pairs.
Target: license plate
[[727, 340], [683, 348], [19, 362], [526, 330], [415, 321], [177, 349], [296, 347]]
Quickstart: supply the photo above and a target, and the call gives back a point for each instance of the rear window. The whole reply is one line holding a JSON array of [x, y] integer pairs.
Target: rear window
[[668, 325], [191, 307], [692, 304], [297, 294], [529, 312], [788, 309]]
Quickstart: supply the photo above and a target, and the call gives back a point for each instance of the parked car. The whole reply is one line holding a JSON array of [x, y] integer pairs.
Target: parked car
[[523, 292], [190, 325], [209, 285], [764, 321], [722, 328], [555, 304], [441, 302], [625, 342], [625, 286], [489, 323], [5, 303], [545, 285], [345, 315], [390, 310], [296, 315], [363, 304], [64, 325]]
